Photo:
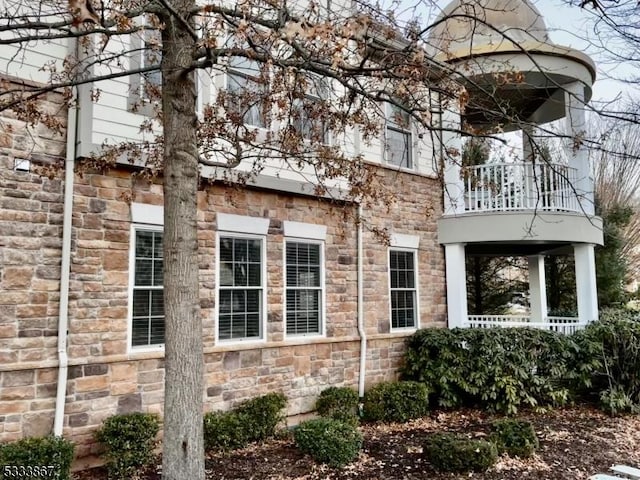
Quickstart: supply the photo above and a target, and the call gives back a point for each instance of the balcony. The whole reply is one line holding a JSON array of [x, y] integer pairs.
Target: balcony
[[503, 187]]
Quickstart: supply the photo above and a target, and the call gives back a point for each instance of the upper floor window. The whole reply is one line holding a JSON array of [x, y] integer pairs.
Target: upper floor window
[[403, 288], [398, 143], [146, 48], [240, 287], [147, 305], [247, 89], [308, 117], [303, 279]]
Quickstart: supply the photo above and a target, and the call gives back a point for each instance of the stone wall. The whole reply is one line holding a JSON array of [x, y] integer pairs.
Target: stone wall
[[30, 246], [105, 377]]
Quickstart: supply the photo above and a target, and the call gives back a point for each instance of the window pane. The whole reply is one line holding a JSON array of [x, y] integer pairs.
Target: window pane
[[398, 147], [303, 305], [148, 304], [403, 294]]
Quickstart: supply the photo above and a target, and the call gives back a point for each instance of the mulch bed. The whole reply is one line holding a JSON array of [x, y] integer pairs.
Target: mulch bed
[[574, 444]]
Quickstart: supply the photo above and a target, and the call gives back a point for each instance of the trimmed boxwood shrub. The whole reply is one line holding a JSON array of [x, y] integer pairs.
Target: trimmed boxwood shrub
[[448, 452], [262, 415], [501, 369], [225, 431], [339, 403], [328, 441], [516, 438], [38, 453], [252, 421], [129, 441], [396, 401]]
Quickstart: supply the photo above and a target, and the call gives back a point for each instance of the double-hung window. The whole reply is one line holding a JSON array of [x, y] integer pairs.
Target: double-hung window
[[241, 287], [403, 286], [247, 90], [308, 115], [398, 138], [304, 294], [147, 308], [146, 49]]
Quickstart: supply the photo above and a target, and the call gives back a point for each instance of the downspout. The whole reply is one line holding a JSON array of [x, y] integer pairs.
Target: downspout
[[361, 330], [63, 313]]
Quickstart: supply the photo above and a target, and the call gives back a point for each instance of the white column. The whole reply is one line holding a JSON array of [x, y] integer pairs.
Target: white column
[[456, 284], [537, 288], [577, 153], [451, 144], [586, 289]]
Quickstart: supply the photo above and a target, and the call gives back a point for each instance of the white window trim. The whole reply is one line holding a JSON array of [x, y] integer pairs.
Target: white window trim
[[136, 226], [263, 277], [231, 223], [402, 240], [269, 115], [323, 289], [305, 231], [417, 288], [412, 146]]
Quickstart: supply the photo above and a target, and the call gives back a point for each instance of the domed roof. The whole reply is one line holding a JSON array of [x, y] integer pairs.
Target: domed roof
[[468, 28]]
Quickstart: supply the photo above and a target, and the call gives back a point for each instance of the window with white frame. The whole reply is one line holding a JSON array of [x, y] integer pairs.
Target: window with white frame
[[307, 114], [303, 287], [246, 89], [146, 47], [403, 287], [241, 287], [398, 143], [147, 302]]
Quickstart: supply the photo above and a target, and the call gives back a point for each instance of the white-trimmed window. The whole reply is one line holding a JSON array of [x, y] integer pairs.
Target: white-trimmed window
[[147, 302], [241, 290], [146, 47], [246, 89], [304, 265], [403, 288], [307, 113], [398, 142]]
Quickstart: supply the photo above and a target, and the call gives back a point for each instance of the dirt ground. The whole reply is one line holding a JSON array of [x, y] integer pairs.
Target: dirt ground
[[574, 444]]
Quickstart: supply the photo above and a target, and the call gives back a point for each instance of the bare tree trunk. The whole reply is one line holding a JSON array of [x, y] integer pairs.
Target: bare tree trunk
[[183, 452]]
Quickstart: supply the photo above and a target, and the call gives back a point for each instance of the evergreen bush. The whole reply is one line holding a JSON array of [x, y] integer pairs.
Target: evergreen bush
[[329, 441], [501, 369], [129, 441], [516, 438], [396, 401], [339, 403], [37, 458], [448, 452]]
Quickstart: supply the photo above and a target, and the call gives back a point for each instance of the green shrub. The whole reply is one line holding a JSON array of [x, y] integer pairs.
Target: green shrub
[[225, 431], [129, 441], [262, 415], [396, 401], [514, 437], [328, 441], [501, 369], [448, 452], [608, 361], [36, 454], [339, 403]]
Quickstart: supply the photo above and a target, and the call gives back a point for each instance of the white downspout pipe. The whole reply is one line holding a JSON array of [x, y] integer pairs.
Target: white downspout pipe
[[361, 330], [63, 312]]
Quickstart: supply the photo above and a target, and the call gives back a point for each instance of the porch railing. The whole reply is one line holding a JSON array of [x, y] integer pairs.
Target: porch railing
[[564, 325], [520, 186]]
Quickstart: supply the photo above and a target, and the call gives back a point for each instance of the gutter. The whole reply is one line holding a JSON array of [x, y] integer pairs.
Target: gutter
[[361, 330], [63, 313]]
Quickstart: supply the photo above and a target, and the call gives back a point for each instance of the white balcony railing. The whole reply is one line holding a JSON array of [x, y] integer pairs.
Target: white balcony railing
[[565, 325], [520, 186]]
